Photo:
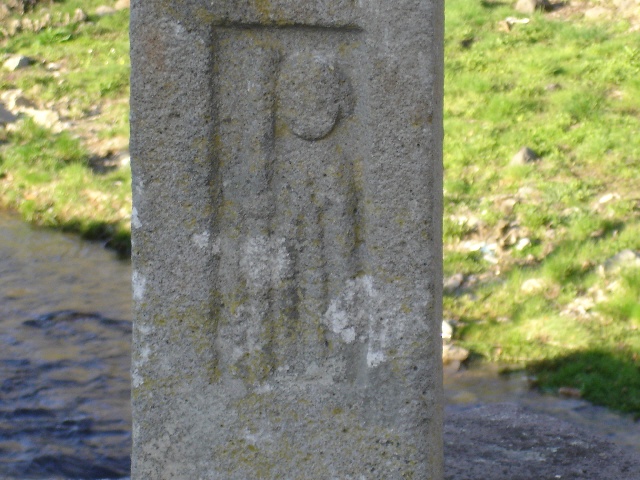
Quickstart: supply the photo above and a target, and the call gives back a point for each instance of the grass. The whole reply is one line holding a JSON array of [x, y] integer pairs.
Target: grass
[[50, 178], [569, 91], [531, 240]]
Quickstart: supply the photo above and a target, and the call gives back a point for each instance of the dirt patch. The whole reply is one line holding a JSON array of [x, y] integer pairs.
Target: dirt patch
[[602, 10]]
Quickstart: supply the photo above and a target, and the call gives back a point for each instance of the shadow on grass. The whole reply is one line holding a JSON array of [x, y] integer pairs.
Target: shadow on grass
[[494, 3], [610, 378], [112, 235]]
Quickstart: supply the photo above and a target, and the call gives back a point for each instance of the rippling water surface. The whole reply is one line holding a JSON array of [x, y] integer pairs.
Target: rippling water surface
[[65, 330]]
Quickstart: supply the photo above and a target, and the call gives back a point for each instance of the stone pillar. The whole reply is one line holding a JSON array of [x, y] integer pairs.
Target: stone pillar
[[286, 227]]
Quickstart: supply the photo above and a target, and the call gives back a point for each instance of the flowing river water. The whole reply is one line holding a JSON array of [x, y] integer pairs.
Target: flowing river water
[[65, 331]]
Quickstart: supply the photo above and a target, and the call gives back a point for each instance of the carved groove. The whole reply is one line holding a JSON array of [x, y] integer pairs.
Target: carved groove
[[290, 194]]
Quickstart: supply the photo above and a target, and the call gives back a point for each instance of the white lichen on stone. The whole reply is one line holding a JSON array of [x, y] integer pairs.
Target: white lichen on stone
[[265, 260], [136, 378], [375, 358], [143, 353], [359, 312], [347, 310], [339, 320], [201, 239], [139, 284], [135, 220], [263, 389]]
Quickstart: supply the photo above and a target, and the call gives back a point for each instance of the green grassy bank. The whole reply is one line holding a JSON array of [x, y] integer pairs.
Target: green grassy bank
[[80, 72], [536, 241], [533, 247]]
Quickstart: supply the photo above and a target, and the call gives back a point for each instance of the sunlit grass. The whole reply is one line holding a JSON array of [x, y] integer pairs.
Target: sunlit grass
[[47, 176], [569, 91]]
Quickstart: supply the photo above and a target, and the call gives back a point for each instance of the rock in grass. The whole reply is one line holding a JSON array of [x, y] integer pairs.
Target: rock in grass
[[13, 27], [453, 353], [4, 11], [525, 155], [15, 101], [79, 16], [452, 283], [26, 24], [45, 118], [104, 10], [624, 259], [122, 4], [532, 285], [597, 13], [15, 62], [530, 6], [447, 331]]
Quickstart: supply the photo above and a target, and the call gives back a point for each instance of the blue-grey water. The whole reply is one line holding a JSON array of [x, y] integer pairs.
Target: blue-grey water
[[65, 331]]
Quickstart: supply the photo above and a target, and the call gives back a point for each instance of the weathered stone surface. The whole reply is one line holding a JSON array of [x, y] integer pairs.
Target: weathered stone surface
[[286, 232]]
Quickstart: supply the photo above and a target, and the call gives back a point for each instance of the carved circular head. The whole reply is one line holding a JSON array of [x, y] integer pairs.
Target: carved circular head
[[310, 95]]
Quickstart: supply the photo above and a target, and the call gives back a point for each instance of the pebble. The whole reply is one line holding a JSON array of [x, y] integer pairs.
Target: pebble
[[522, 244], [15, 62], [45, 118], [454, 353], [532, 285], [607, 197], [452, 283], [122, 4], [524, 156], [13, 27], [624, 259], [569, 392], [447, 330], [79, 16], [597, 12], [104, 10]]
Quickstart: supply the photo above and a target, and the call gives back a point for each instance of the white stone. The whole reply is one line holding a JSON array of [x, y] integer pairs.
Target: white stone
[[447, 331], [532, 285], [45, 118], [15, 62], [104, 10]]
